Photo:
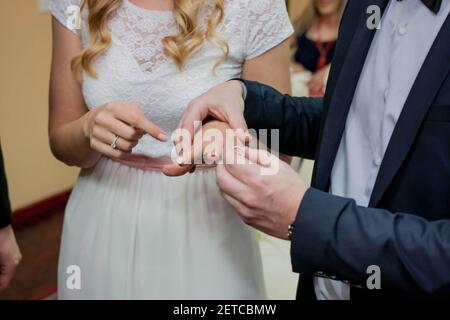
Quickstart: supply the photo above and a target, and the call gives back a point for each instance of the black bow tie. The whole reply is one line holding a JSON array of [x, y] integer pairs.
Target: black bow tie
[[433, 5]]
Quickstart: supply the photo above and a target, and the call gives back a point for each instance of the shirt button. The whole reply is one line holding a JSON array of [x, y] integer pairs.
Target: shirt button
[[402, 30], [377, 161]]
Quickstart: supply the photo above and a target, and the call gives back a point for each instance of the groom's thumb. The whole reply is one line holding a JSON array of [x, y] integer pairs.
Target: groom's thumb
[[237, 122]]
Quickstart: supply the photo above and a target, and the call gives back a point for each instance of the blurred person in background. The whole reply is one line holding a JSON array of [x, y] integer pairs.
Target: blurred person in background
[[133, 232], [317, 31], [10, 255]]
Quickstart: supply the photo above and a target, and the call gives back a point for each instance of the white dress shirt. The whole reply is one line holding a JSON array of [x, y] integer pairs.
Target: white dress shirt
[[398, 51]]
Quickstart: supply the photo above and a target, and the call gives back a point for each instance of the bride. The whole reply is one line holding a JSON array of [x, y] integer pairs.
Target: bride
[[119, 84]]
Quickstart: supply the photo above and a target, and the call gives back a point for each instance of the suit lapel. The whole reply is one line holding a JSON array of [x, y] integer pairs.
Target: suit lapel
[[342, 93], [431, 76]]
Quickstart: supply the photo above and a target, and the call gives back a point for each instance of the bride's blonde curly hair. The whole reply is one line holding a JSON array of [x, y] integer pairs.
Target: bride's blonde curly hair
[[189, 40]]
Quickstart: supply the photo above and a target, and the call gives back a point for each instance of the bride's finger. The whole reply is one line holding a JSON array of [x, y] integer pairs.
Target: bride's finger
[[118, 127], [132, 115], [108, 137], [175, 170], [212, 153], [105, 149]]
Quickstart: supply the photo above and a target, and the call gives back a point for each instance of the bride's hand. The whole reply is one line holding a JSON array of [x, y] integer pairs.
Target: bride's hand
[[208, 147], [115, 128]]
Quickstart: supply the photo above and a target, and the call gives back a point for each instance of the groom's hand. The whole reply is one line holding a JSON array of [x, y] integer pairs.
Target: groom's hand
[[266, 192], [224, 102]]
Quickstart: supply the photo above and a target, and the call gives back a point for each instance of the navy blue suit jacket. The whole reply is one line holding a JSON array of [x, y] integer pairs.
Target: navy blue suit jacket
[[406, 229]]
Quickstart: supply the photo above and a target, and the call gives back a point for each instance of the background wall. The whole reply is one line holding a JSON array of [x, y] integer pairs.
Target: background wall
[[25, 37]]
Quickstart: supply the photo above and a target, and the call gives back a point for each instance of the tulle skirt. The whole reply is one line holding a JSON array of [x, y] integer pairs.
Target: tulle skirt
[[135, 234]]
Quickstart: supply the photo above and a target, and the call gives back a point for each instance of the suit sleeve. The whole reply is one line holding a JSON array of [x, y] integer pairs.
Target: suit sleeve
[[298, 119], [5, 207], [334, 236]]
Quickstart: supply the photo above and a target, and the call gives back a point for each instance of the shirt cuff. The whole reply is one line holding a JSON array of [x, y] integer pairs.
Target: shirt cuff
[[310, 231], [244, 91], [244, 87]]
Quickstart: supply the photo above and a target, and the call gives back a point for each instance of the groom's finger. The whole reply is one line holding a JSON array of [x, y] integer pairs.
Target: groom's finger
[[229, 184], [237, 122], [242, 169], [192, 116], [261, 157], [240, 208]]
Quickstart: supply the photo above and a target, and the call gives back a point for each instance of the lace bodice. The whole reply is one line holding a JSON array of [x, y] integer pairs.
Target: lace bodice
[[135, 68]]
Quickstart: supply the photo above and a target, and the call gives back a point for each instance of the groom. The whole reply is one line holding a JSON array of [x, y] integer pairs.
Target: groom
[[380, 195]]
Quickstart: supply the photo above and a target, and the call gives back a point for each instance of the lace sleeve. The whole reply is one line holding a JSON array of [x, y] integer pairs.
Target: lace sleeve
[[67, 12], [268, 26]]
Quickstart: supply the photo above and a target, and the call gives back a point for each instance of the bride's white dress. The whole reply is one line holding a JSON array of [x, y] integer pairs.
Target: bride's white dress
[[136, 234]]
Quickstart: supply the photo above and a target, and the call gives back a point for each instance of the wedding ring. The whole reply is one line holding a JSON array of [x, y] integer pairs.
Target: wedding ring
[[114, 143]]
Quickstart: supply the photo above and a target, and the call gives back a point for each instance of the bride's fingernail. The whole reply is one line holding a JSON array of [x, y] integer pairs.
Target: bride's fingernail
[[162, 137]]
